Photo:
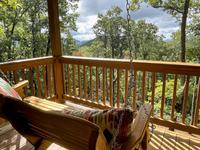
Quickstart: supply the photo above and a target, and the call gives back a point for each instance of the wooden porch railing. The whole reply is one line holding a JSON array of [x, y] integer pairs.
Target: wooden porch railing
[[104, 83], [39, 72]]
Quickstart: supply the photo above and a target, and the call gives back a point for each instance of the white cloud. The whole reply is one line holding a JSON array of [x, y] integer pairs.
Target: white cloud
[[88, 11], [84, 25], [84, 37]]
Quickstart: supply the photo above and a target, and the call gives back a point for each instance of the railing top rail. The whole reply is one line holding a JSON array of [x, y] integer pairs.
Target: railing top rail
[[19, 64], [141, 65]]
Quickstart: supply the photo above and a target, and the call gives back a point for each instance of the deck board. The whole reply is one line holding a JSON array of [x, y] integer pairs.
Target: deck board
[[169, 141], [161, 139], [164, 139]]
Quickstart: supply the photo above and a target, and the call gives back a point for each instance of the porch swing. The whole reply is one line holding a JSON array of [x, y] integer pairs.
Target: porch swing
[[41, 122]]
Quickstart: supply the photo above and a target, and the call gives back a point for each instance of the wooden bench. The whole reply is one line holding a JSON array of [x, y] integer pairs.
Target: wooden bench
[[42, 118], [139, 136]]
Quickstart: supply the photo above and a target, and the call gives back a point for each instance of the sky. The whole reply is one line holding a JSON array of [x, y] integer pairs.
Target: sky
[[89, 9]]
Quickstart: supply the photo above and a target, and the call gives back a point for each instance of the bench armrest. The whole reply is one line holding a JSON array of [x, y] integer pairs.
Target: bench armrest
[[19, 87], [139, 128]]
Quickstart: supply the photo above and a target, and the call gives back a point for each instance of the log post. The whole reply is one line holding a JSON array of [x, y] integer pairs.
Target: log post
[[55, 38]]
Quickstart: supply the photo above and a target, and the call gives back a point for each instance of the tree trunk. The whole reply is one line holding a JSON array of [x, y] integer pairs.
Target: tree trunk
[[113, 51], [183, 32], [48, 46], [33, 36], [10, 37]]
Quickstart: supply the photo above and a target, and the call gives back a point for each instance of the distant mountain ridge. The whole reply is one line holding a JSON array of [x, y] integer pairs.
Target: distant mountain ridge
[[85, 42]]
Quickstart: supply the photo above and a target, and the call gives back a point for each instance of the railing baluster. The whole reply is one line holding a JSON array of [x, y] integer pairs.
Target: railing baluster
[[97, 85], [126, 88], [65, 78], [104, 85], [15, 76], [153, 91], [49, 70], [79, 81], [45, 80], [118, 88], [91, 84], [196, 116], [23, 78], [52, 82], [85, 81], [111, 87], [109, 90], [31, 80], [74, 80], [185, 99], [144, 86], [134, 90], [38, 81], [163, 96], [69, 81], [174, 97], [107, 85], [23, 74]]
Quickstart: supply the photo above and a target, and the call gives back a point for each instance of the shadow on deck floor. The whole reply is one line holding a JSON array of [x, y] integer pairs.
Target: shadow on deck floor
[[161, 139], [164, 139]]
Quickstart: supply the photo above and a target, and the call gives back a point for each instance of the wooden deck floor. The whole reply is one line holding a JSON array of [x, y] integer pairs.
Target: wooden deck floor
[[161, 139], [164, 139]]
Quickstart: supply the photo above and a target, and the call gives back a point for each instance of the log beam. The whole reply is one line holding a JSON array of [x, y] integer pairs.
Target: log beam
[[54, 30]]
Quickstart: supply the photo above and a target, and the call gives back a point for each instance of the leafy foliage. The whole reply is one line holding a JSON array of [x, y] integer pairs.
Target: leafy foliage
[[24, 31]]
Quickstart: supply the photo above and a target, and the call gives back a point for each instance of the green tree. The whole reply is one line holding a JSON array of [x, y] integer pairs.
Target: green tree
[[68, 17], [146, 40], [109, 29], [69, 45], [24, 27], [11, 14], [194, 35], [178, 9]]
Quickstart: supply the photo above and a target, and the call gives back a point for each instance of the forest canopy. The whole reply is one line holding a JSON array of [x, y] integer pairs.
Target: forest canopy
[[24, 32]]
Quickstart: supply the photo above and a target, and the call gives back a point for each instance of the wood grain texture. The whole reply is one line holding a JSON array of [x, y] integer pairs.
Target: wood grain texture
[[153, 90], [74, 79], [163, 96], [85, 81], [44, 76], [196, 116], [144, 86], [91, 84], [38, 81], [141, 65], [174, 97], [175, 140], [185, 99], [118, 87], [66, 130], [97, 85], [111, 86], [104, 86], [126, 87]]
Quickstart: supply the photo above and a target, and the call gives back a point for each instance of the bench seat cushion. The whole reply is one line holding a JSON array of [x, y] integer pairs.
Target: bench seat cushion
[[115, 122]]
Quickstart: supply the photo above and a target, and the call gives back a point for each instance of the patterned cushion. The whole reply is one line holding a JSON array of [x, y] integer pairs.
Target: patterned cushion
[[7, 90], [115, 123]]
